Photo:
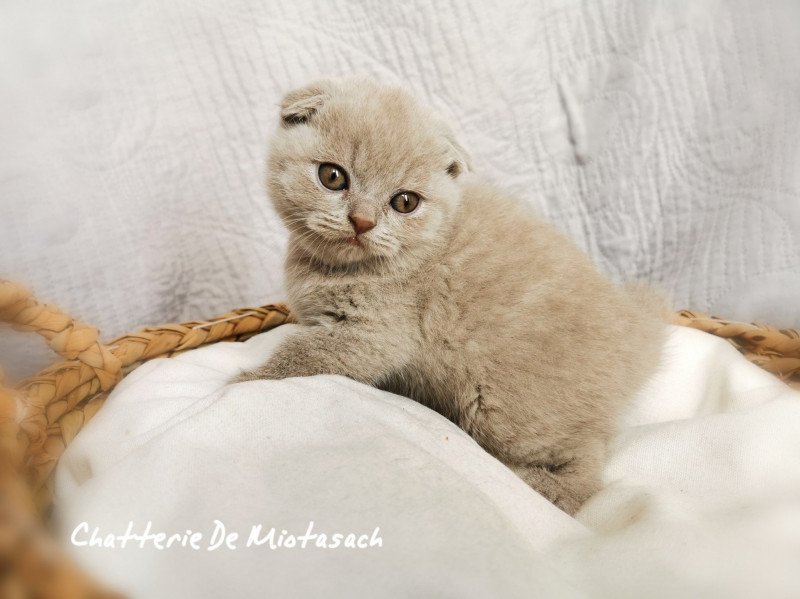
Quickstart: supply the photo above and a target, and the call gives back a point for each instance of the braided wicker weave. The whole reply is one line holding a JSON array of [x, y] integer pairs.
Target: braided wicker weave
[[43, 414], [774, 350], [40, 417]]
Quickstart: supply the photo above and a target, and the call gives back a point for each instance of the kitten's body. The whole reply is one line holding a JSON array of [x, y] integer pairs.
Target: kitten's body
[[501, 324]]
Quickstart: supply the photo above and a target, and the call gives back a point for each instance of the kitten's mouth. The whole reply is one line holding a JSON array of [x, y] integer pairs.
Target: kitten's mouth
[[354, 241]]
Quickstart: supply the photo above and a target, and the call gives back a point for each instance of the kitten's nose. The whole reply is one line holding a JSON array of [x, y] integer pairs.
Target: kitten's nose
[[361, 224]]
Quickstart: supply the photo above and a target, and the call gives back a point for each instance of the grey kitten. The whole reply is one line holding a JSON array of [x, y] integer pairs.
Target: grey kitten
[[412, 276]]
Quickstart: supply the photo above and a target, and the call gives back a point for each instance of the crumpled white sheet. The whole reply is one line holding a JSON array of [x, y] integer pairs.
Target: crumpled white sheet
[[702, 494], [663, 136]]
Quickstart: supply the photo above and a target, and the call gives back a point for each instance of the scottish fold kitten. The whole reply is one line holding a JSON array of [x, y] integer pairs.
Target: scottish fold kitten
[[411, 275]]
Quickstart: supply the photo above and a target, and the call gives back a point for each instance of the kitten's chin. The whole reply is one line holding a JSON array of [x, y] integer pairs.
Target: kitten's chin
[[341, 251], [352, 249]]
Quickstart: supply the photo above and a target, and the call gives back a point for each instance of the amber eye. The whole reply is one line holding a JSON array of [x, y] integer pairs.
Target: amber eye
[[405, 202], [332, 176]]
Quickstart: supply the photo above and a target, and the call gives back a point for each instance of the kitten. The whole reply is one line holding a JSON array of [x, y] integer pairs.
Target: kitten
[[413, 276]]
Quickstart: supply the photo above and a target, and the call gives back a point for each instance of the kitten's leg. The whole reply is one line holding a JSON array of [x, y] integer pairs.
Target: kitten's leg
[[570, 483], [365, 355], [565, 470]]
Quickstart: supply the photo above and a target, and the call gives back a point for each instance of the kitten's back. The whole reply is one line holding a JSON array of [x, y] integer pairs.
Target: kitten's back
[[521, 304]]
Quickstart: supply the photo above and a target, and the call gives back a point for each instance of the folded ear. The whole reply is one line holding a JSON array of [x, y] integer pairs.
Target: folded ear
[[300, 105], [461, 161]]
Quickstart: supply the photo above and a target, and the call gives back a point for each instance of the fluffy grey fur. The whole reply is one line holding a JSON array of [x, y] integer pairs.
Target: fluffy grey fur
[[468, 304]]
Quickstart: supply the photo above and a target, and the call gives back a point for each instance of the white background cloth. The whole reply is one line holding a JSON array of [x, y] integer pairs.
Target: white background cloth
[[663, 136], [701, 497]]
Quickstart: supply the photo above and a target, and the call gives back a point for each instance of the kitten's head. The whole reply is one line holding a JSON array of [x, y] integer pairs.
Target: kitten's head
[[362, 173]]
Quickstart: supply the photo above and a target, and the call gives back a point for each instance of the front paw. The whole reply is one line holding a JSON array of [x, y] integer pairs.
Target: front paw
[[298, 356], [266, 372], [243, 377]]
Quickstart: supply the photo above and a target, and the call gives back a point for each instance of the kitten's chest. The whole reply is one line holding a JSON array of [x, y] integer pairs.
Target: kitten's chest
[[322, 301]]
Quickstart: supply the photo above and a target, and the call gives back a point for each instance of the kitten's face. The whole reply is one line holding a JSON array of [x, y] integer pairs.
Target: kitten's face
[[362, 173]]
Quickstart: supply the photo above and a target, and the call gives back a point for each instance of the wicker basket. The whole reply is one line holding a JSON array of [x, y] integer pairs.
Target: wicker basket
[[40, 417]]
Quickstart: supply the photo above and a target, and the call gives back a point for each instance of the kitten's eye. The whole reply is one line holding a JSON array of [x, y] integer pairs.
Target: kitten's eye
[[405, 202], [332, 176]]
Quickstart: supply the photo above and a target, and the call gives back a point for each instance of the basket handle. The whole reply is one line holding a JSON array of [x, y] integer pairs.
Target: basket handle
[[68, 337], [34, 565]]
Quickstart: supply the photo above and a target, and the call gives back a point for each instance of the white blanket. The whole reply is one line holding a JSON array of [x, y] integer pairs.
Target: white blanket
[[664, 137], [702, 495]]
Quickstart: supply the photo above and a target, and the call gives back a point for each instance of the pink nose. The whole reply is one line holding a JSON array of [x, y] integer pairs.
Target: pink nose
[[361, 224]]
